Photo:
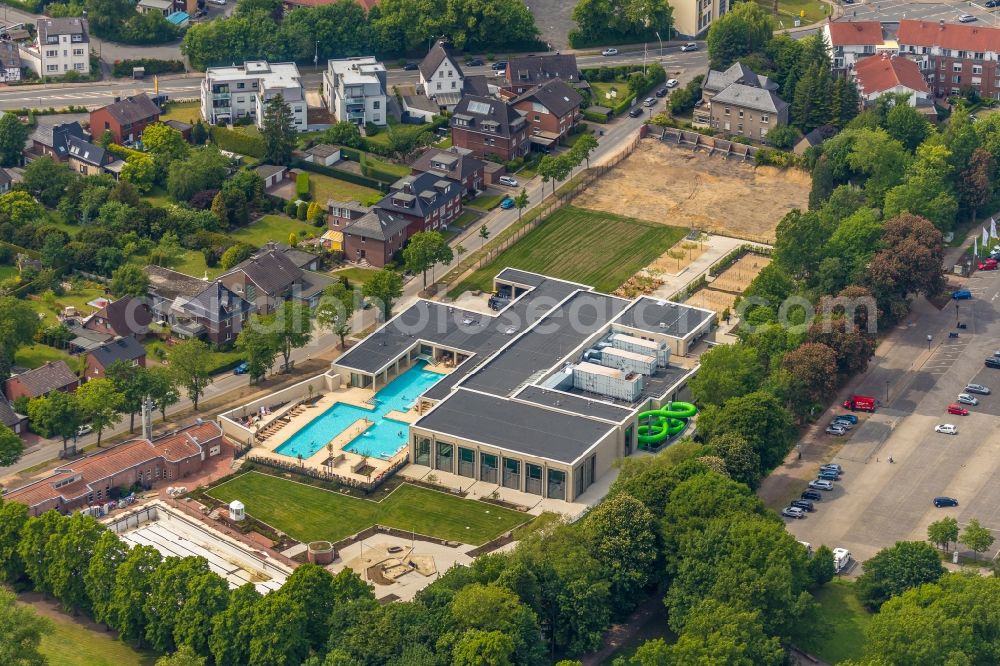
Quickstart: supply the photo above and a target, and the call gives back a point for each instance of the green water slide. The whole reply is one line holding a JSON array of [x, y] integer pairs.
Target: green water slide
[[657, 425]]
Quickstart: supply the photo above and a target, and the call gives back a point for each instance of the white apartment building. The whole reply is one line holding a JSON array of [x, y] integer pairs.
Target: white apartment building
[[848, 42], [231, 93], [693, 17], [62, 45], [354, 90], [441, 77]]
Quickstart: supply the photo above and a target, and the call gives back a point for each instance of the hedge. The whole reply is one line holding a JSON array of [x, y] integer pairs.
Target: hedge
[[594, 117], [302, 185], [123, 68], [238, 142], [347, 176], [376, 173]]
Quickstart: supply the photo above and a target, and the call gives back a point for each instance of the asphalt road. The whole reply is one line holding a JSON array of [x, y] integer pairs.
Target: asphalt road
[[894, 10], [877, 503]]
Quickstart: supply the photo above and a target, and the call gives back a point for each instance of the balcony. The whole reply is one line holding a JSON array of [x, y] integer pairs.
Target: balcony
[[354, 100]]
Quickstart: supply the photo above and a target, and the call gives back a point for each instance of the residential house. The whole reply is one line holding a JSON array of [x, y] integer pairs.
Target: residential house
[[125, 119], [526, 72], [10, 62], [16, 422], [218, 312], [342, 213], [375, 237], [97, 478], [323, 154], [693, 17], [265, 280], [61, 45], [355, 90], [953, 56], [487, 126], [162, 7], [441, 77], [53, 376], [49, 140], [814, 138], [552, 109], [741, 103], [126, 317], [240, 91], [455, 164], [86, 158], [428, 201], [271, 174], [99, 359], [84, 339], [894, 75], [5, 181], [847, 42]]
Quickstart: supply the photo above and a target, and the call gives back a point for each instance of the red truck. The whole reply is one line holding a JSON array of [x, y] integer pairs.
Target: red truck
[[861, 403]]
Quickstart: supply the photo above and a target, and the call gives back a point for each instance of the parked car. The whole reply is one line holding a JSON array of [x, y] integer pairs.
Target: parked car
[[966, 18], [812, 495], [966, 399], [805, 505], [946, 429], [507, 203], [843, 423], [411, 67], [85, 429], [977, 388], [649, 101], [474, 62], [821, 484], [690, 46], [218, 2], [961, 294], [992, 3], [945, 501], [834, 466], [993, 362], [499, 64], [793, 512], [957, 410], [509, 181], [241, 369], [609, 52], [850, 418], [828, 475], [988, 265], [662, 92], [635, 112], [836, 430], [672, 83]]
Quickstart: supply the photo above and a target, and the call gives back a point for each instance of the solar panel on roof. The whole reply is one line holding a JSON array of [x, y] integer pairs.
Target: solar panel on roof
[[482, 108]]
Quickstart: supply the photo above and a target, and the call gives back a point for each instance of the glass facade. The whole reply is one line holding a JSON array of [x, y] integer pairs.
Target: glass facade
[[488, 464], [467, 462], [422, 446], [557, 484], [533, 479], [511, 473], [445, 457]]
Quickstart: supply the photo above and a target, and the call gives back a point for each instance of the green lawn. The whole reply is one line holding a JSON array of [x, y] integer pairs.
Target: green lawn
[[599, 249], [308, 513], [158, 197], [274, 228], [486, 201], [602, 89], [185, 112], [191, 262], [842, 622], [465, 219], [788, 11], [157, 351], [389, 167], [355, 275], [7, 272], [73, 644], [78, 297], [326, 187], [38, 355]]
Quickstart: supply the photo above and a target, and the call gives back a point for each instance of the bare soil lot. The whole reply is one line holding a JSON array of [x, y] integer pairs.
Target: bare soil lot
[[738, 277], [710, 299], [676, 186]]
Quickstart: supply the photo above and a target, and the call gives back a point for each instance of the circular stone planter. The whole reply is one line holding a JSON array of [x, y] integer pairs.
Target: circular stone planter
[[321, 552]]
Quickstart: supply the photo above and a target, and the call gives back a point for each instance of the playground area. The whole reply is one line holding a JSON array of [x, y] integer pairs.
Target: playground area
[[694, 190], [658, 426]]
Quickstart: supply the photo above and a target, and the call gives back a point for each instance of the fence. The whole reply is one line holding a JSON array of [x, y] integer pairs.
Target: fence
[[714, 145], [367, 486]]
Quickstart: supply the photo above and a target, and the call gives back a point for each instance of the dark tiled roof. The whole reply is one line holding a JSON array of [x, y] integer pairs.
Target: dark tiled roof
[[178, 125], [266, 170], [426, 191], [169, 284], [8, 416], [61, 26], [270, 270], [434, 58], [133, 109], [555, 95], [122, 349], [477, 84], [50, 377], [126, 316], [57, 136], [86, 152], [377, 225], [217, 304], [717, 81], [4, 177], [453, 162], [537, 69], [480, 111]]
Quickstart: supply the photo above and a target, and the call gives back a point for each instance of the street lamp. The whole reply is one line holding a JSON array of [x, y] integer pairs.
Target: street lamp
[[316, 56], [887, 391], [657, 33], [929, 338]]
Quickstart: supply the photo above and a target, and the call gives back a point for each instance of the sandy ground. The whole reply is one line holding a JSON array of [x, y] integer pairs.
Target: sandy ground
[[682, 188], [711, 299], [679, 257], [738, 277]]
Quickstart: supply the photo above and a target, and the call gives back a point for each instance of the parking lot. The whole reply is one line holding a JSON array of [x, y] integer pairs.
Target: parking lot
[[894, 10], [877, 503]]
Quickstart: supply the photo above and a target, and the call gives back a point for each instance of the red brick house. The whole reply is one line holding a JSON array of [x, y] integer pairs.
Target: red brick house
[[551, 110], [455, 164], [99, 359], [953, 56], [489, 127], [122, 318], [125, 119], [375, 237], [53, 376], [95, 479]]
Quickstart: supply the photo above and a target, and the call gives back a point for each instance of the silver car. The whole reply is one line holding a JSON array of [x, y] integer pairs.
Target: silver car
[[793, 512], [966, 399], [836, 430], [821, 484]]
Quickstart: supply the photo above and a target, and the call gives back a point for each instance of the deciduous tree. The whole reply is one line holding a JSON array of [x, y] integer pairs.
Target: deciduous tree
[[278, 631], [812, 368], [942, 532], [335, 310], [132, 383], [11, 446], [895, 570], [99, 579], [13, 134], [759, 418], [424, 250], [384, 287], [161, 385], [231, 629], [977, 537], [71, 552], [13, 516], [55, 415], [741, 460], [189, 361], [21, 629], [134, 582], [727, 371], [100, 404], [259, 347], [129, 280], [291, 327]]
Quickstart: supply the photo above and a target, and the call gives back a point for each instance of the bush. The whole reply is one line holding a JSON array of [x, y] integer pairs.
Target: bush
[[290, 208], [301, 210], [302, 185], [123, 68], [778, 158], [784, 137], [238, 142], [347, 176]]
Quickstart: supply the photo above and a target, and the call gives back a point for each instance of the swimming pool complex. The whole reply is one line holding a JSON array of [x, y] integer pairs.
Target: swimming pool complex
[[384, 438]]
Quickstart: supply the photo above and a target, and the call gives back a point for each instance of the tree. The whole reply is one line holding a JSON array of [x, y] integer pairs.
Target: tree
[[483, 648], [169, 585], [184, 656], [99, 579], [13, 516], [134, 580], [18, 324], [70, 554], [343, 133], [259, 347], [198, 133], [977, 537], [975, 183], [620, 22], [204, 169], [335, 310], [822, 183], [895, 570], [161, 387], [278, 631], [741, 460], [11, 446], [720, 633], [424, 250], [19, 207], [520, 202], [311, 587], [34, 551], [235, 254], [905, 124], [581, 151], [47, 179], [783, 137], [743, 30], [207, 596], [189, 361], [494, 607], [291, 327], [385, 287], [100, 404], [139, 170], [484, 233], [278, 131], [759, 418], [623, 537], [942, 532], [13, 134], [910, 264], [853, 346], [129, 280], [165, 143], [812, 369], [132, 383], [55, 415], [230, 638], [21, 628], [925, 191], [726, 371], [821, 566]]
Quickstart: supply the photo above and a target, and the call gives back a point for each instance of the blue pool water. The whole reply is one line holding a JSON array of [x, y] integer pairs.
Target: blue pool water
[[384, 437]]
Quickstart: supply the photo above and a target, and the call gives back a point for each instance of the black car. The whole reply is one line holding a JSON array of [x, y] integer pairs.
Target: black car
[[474, 62], [803, 504], [635, 112], [502, 64], [945, 501], [410, 67], [662, 92], [993, 362], [813, 495]]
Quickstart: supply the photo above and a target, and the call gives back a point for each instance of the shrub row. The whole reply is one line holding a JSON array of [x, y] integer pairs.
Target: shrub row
[[302, 185], [238, 142], [123, 68]]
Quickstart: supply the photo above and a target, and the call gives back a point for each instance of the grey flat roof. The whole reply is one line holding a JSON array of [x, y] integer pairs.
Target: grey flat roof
[[516, 426], [594, 407], [520, 277], [559, 332], [666, 317], [653, 388]]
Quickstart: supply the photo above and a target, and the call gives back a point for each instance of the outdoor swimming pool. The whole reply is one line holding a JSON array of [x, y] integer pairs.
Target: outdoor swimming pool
[[384, 437]]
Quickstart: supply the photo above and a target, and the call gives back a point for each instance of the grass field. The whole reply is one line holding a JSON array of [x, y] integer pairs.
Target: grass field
[[465, 219], [486, 201], [308, 513], [274, 228], [788, 11], [355, 275], [191, 262], [37, 355], [602, 89], [842, 621], [7, 272], [326, 187], [599, 249], [185, 112]]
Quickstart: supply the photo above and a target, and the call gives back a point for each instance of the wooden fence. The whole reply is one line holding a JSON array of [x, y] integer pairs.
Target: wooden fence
[[714, 145]]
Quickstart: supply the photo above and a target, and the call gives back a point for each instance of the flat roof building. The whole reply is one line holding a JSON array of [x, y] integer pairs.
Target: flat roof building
[[231, 93], [354, 90]]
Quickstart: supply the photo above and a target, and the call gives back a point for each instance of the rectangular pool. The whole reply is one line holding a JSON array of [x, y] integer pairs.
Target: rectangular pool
[[384, 438]]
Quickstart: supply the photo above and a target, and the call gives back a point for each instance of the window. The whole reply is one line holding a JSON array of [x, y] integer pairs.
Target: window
[[739, 128], [51, 54], [727, 110], [439, 85], [956, 67], [376, 104], [78, 52], [977, 69], [741, 113], [963, 54], [764, 118], [52, 68], [956, 79], [453, 84], [78, 66]]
